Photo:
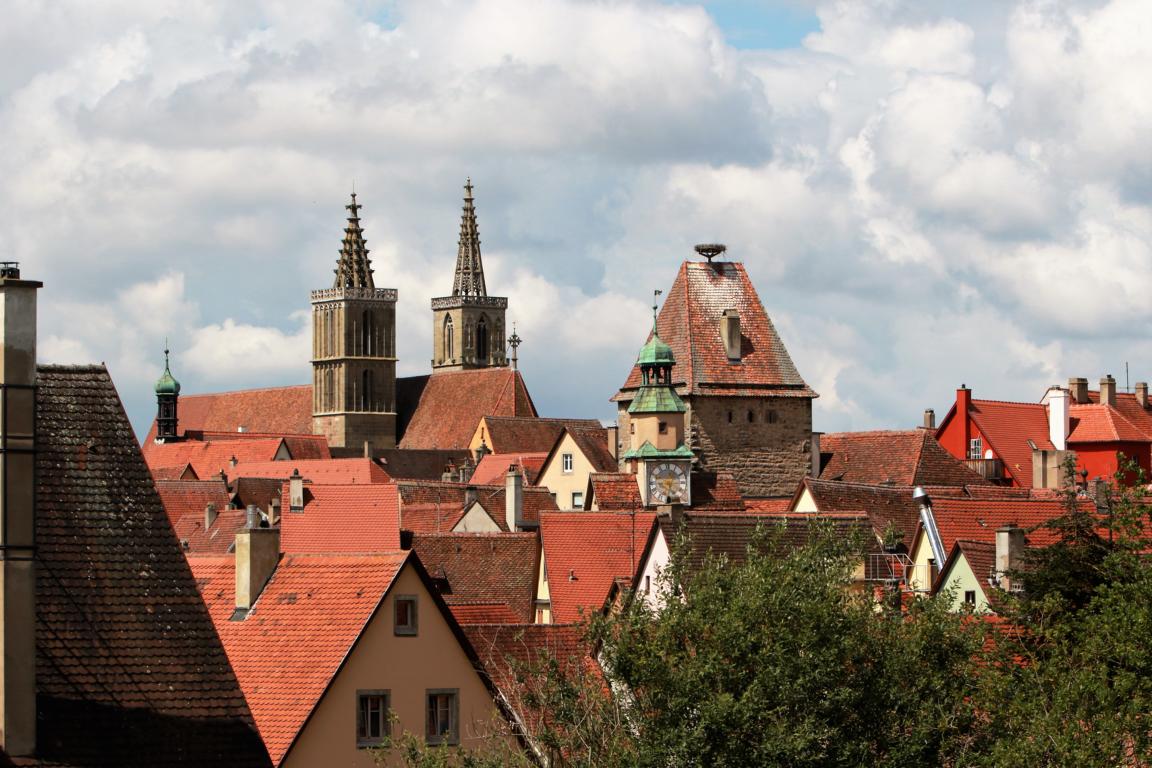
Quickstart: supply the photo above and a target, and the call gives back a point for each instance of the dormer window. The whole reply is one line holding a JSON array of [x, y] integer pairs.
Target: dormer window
[[976, 448]]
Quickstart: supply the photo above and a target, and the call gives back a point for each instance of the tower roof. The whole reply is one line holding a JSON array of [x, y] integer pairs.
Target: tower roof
[[167, 384], [469, 280], [354, 268]]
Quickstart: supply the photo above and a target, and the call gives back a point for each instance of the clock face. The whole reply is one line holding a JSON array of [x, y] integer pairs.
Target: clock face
[[666, 480]]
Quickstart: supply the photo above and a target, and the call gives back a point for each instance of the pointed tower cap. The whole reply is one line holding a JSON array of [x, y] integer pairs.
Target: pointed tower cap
[[167, 384]]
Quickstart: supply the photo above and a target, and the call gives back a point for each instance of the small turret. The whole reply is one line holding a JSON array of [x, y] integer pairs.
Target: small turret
[[167, 397]]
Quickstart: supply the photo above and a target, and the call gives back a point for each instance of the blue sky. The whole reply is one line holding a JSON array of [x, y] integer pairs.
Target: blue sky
[[752, 25]]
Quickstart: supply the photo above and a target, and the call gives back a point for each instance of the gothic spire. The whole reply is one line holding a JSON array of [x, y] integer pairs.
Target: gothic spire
[[354, 269], [469, 269]]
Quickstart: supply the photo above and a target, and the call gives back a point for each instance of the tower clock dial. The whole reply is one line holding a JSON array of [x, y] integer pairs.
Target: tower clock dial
[[666, 480]]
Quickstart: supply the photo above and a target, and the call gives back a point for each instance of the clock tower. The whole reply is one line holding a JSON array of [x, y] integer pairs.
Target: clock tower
[[657, 452]]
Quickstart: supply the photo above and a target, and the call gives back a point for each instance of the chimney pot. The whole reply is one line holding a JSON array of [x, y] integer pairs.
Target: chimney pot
[[209, 515], [1009, 554], [1108, 390], [296, 492], [1079, 389], [514, 499], [929, 418], [730, 334], [1142, 393], [253, 516]]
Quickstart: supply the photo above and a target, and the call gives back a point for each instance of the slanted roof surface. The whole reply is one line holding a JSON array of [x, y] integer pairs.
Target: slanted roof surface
[[888, 506], [453, 403], [1130, 408], [209, 458], [902, 457], [428, 506], [978, 519], [185, 502], [484, 568], [615, 490], [1102, 424], [493, 468], [1008, 427], [296, 636], [689, 322], [342, 518], [716, 491], [318, 471], [520, 434], [129, 669], [272, 411]]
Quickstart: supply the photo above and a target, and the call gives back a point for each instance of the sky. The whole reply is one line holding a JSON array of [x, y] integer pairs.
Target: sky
[[925, 193]]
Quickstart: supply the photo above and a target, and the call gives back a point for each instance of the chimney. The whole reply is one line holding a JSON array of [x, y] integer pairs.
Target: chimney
[[928, 523], [17, 512], [730, 333], [674, 511], [1108, 390], [1079, 390], [1142, 394], [814, 462], [963, 406], [257, 553], [1059, 417], [613, 437], [469, 496], [514, 499], [449, 474], [929, 419], [209, 515], [296, 492], [1009, 554], [274, 511], [367, 449]]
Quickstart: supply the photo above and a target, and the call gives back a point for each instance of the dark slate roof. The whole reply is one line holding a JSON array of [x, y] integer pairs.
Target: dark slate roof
[[129, 669], [413, 464]]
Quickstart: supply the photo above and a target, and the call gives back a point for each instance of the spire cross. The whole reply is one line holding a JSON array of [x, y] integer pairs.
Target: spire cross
[[354, 206], [514, 341], [655, 306]]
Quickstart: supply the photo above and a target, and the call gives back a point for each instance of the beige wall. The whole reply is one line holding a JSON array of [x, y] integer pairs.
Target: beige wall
[[406, 667], [543, 596], [465, 356], [805, 503], [962, 579], [561, 483], [647, 428]]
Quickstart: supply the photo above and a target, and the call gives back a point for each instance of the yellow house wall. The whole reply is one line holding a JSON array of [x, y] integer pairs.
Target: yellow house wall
[[561, 483], [480, 434], [805, 503], [960, 579], [406, 667], [647, 428], [543, 597], [921, 553]]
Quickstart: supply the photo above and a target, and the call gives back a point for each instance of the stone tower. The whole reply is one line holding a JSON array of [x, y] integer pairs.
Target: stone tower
[[468, 326], [354, 350]]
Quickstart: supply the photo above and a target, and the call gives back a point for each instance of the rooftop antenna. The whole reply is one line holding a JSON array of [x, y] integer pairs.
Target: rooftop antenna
[[711, 250]]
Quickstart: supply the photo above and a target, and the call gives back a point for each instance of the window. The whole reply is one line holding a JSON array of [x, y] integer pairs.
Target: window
[[371, 717], [405, 615], [482, 340], [449, 340], [567, 462], [729, 417], [662, 427], [975, 448], [772, 417], [632, 428], [443, 711], [970, 597], [751, 417], [577, 500]]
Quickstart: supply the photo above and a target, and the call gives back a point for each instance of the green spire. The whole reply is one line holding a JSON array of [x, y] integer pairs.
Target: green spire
[[656, 394], [167, 384], [655, 352]]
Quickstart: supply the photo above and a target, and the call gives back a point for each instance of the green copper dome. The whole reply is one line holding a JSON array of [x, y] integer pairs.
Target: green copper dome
[[167, 384], [656, 352]]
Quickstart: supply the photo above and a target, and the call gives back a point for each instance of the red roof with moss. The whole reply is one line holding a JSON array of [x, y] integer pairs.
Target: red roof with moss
[[453, 402]]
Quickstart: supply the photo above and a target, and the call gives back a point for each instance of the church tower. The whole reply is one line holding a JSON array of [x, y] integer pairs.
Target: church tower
[[354, 350], [167, 397], [468, 326]]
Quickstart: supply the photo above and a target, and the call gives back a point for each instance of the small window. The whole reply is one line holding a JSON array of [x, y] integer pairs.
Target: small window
[[662, 427], [632, 428], [970, 597], [443, 715], [405, 619], [567, 462], [371, 718], [729, 417], [577, 500], [975, 448], [751, 417], [772, 417]]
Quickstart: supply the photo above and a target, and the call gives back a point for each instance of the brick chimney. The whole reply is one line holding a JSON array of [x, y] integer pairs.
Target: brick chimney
[[814, 459], [1142, 394], [1108, 390], [1079, 389], [1009, 554], [730, 333], [929, 419], [17, 512], [514, 499], [257, 553]]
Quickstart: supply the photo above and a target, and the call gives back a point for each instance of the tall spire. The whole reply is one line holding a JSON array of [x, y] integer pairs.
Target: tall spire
[[469, 268], [354, 269]]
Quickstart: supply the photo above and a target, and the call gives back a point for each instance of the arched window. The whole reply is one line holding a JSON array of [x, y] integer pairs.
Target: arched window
[[482, 341], [366, 333], [329, 389], [449, 340]]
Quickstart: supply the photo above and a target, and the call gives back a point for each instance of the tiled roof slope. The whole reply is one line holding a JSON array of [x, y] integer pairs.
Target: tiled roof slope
[[181, 497], [271, 411], [483, 567], [903, 457], [129, 669], [210, 458], [887, 506], [412, 464], [689, 322], [981, 557], [1130, 408], [585, 552], [453, 403], [716, 491], [300, 446], [493, 468], [614, 490], [1008, 427], [593, 443], [428, 506], [518, 434], [185, 502], [342, 518], [298, 633], [319, 471], [1102, 424], [978, 519]]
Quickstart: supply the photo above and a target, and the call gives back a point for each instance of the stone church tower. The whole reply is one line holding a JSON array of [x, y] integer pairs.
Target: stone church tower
[[354, 350], [468, 326]]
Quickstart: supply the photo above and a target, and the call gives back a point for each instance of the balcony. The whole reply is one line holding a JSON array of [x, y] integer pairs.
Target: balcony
[[989, 469]]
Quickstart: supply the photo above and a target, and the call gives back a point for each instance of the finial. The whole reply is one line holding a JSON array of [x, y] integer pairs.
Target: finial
[[514, 342], [353, 206], [468, 188], [656, 294], [711, 250]]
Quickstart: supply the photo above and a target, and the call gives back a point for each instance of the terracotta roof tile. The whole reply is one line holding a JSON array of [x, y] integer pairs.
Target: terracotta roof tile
[[689, 322], [477, 612], [584, 552], [272, 411], [615, 490], [1008, 427], [300, 446], [904, 457], [593, 443], [981, 557], [1102, 424], [768, 505], [318, 471], [1130, 408], [210, 458], [185, 502], [294, 639], [453, 403], [715, 491], [413, 464], [342, 518], [185, 472], [483, 568], [427, 506], [129, 669], [493, 467], [518, 434], [978, 519], [886, 506]]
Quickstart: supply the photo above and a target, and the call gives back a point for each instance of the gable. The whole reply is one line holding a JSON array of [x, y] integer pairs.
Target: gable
[[453, 402], [476, 520]]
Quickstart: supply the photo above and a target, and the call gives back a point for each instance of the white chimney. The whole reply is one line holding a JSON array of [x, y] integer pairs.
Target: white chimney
[[514, 499], [1142, 393], [730, 333], [1059, 416], [1009, 554], [296, 492]]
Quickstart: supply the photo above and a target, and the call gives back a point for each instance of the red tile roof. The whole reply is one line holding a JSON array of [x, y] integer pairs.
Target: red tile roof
[[182, 497], [518, 434], [342, 518], [297, 635], [903, 457], [1102, 424], [981, 557], [478, 612], [768, 505], [593, 443], [1130, 409], [185, 502], [614, 490], [716, 492], [689, 322], [412, 464], [1008, 427], [484, 568], [584, 552], [300, 446], [427, 506], [453, 403], [210, 458], [185, 472], [318, 471], [493, 468], [129, 669], [978, 519], [271, 411], [887, 506]]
